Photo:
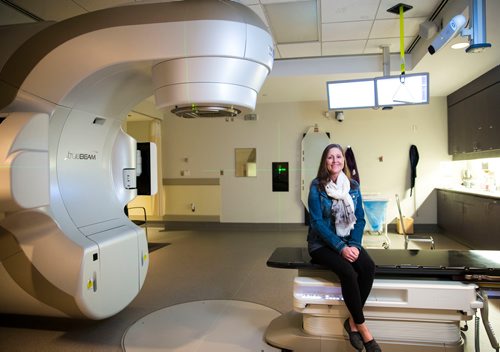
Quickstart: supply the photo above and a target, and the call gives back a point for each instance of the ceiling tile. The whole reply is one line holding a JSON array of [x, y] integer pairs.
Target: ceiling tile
[[420, 8], [345, 30], [51, 10], [277, 54], [349, 47], [348, 10], [248, 2], [300, 50], [260, 12], [10, 16], [94, 5], [293, 22]]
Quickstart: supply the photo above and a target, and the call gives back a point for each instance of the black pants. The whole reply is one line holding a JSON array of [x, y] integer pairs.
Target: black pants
[[356, 279]]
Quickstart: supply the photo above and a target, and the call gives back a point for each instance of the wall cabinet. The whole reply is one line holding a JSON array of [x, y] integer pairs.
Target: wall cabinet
[[474, 115], [469, 219]]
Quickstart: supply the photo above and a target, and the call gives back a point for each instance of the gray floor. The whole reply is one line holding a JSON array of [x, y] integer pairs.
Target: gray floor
[[197, 265]]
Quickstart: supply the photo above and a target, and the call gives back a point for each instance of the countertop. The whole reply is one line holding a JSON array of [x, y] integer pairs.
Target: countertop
[[472, 191]]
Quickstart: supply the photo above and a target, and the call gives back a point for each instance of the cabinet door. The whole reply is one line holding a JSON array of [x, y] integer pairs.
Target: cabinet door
[[481, 228], [473, 123], [471, 220], [452, 131], [475, 231], [450, 213], [493, 224], [457, 128], [490, 118]]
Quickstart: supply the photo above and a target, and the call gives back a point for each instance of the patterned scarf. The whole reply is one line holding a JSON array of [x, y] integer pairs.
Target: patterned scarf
[[342, 204]]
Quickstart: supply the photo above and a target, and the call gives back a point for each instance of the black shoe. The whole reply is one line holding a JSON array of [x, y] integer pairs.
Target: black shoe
[[372, 346], [354, 336]]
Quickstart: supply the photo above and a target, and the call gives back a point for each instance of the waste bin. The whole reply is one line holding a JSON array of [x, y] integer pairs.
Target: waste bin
[[375, 209]]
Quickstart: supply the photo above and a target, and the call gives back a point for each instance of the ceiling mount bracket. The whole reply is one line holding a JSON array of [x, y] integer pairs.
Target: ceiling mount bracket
[[395, 8]]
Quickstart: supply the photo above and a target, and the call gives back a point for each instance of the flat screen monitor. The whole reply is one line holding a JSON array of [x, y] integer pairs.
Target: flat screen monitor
[[392, 90], [351, 94]]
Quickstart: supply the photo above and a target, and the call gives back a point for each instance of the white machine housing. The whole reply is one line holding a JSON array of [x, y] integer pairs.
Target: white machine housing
[[403, 314], [66, 246]]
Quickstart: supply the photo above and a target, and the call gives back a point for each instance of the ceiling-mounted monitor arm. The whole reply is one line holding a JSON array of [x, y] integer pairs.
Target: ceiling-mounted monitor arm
[[386, 60]]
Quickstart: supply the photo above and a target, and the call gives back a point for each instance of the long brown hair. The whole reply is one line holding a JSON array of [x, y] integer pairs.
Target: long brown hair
[[323, 174]]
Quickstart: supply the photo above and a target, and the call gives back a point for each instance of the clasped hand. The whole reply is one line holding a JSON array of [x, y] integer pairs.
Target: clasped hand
[[350, 253]]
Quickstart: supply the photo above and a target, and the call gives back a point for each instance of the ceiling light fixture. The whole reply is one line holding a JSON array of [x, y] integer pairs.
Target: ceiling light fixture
[[460, 45]]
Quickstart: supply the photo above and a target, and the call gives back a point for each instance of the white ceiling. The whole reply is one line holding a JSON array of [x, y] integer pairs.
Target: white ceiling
[[322, 40], [345, 27]]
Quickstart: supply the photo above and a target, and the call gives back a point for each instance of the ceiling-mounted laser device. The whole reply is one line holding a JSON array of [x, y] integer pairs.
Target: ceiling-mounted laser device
[[449, 32]]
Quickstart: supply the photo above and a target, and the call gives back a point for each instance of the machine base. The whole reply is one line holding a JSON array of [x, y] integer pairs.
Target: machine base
[[286, 332]]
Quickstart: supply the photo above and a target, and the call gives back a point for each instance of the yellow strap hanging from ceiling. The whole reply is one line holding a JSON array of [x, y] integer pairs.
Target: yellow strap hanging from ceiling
[[402, 38]]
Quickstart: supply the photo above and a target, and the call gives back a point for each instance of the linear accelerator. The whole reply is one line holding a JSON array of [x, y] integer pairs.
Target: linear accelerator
[[67, 169]]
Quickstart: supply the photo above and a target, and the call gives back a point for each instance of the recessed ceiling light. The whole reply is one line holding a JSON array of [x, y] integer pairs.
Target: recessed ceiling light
[[461, 45]]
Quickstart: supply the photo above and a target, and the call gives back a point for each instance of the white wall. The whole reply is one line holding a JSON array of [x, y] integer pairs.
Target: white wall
[[208, 145]]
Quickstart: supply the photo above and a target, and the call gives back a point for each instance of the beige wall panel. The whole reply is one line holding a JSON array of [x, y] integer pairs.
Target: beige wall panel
[[205, 147], [180, 200]]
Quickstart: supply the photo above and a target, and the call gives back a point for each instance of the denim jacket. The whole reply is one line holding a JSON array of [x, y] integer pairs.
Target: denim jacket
[[322, 223]]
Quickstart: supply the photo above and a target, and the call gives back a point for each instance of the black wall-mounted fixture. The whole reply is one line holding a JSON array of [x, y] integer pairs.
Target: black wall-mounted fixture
[[280, 176]]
